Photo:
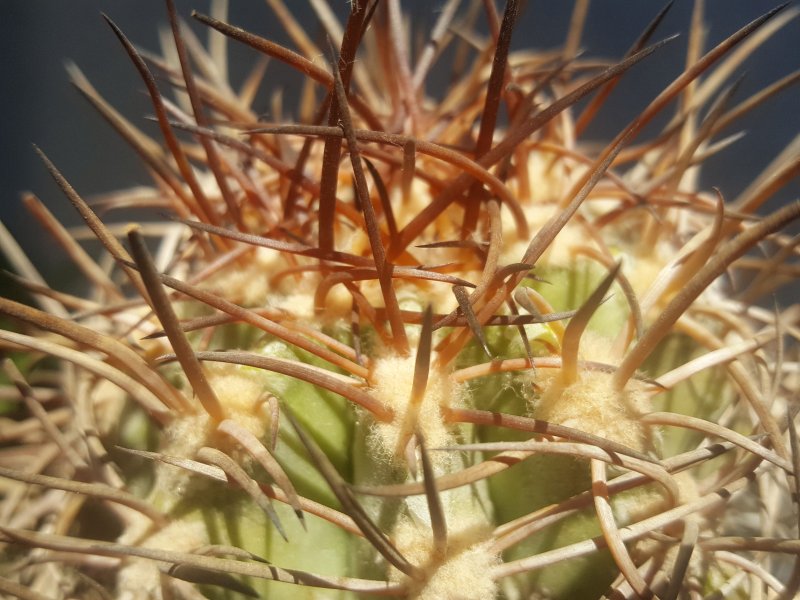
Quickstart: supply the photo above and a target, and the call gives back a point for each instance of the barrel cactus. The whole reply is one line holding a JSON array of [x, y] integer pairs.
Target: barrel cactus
[[411, 346]]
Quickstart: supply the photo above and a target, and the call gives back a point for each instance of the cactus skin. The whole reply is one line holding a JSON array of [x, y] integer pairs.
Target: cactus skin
[[406, 351]]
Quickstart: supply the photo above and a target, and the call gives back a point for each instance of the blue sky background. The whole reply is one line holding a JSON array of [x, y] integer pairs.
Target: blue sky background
[[39, 105]]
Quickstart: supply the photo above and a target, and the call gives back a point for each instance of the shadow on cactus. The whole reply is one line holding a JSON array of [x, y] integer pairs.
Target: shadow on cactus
[[406, 347]]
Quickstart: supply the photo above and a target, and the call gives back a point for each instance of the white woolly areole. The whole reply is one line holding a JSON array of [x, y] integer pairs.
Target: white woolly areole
[[641, 503], [392, 379], [253, 283], [464, 571], [241, 393], [593, 404], [181, 438], [140, 579], [465, 575]]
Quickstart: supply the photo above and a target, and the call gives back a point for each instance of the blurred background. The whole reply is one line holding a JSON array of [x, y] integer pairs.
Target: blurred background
[[40, 106]]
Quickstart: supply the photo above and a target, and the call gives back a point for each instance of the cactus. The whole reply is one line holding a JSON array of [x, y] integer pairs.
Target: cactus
[[410, 347]]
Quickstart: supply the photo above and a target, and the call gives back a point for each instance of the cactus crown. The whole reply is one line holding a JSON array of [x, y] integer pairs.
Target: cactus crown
[[411, 348]]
